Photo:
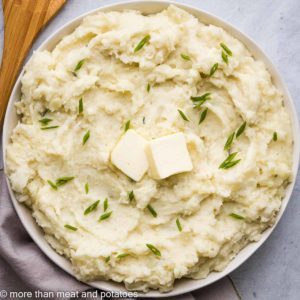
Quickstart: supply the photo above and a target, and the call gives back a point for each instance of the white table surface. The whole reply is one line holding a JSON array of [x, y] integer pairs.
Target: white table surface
[[273, 272]]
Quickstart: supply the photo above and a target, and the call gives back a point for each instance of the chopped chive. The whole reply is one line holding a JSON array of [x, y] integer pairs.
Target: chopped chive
[[142, 43], [185, 56], [275, 137], [199, 100], [236, 216], [144, 120], [80, 106], [148, 87], [52, 184], [152, 211], [86, 188], [213, 69], [184, 117], [226, 49], [107, 259], [49, 127], [178, 225], [131, 196], [229, 162], [79, 65], [91, 208], [105, 216], [70, 227], [231, 156], [241, 129], [45, 121], [225, 57], [105, 205], [127, 125], [229, 141], [153, 249], [120, 256], [63, 180], [86, 137], [203, 115]]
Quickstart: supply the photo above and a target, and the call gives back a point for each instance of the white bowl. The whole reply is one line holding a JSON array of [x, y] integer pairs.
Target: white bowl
[[182, 285]]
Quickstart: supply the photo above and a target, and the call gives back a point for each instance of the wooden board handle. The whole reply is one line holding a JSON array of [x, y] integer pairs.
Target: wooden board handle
[[23, 19]]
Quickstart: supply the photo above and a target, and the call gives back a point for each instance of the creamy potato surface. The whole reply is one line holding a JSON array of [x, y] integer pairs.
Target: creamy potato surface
[[166, 73]]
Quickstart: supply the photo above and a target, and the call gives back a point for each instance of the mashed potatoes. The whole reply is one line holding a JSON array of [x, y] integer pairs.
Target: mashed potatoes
[[121, 66]]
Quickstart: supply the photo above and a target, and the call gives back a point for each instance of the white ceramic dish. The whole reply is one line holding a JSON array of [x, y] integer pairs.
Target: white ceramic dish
[[182, 285]]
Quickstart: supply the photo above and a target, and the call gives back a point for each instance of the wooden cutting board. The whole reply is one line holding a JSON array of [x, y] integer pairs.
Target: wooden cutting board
[[23, 20]]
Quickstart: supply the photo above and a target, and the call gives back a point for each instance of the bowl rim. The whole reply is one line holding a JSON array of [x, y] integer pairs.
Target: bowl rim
[[31, 226]]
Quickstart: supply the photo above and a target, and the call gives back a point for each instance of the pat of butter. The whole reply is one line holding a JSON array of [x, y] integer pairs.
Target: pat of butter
[[168, 156], [129, 155]]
